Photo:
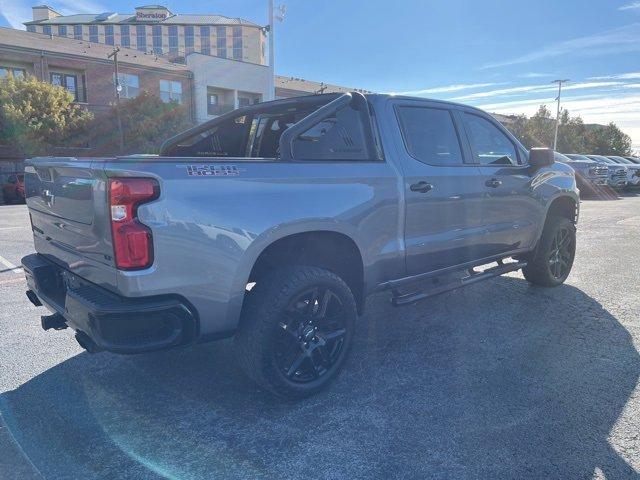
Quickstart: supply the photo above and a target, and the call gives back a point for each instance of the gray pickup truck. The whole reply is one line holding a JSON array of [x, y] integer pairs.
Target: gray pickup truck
[[274, 222]]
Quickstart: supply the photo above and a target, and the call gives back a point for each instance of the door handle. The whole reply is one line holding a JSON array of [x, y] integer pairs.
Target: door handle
[[493, 183], [422, 187]]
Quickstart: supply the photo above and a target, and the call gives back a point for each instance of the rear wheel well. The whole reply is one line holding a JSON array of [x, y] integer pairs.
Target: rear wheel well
[[564, 207], [333, 251]]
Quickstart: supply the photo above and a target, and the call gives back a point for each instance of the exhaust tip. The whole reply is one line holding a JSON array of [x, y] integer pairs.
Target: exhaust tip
[[55, 321], [33, 298], [85, 342]]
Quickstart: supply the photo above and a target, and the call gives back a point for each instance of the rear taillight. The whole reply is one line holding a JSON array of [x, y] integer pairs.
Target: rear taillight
[[132, 241]]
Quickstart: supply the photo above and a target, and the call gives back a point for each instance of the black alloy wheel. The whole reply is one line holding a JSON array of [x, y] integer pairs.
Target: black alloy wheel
[[561, 256], [312, 335]]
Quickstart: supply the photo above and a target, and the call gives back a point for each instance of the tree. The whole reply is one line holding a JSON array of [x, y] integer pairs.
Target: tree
[[573, 135], [36, 116], [609, 140], [146, 122], [541, 128]]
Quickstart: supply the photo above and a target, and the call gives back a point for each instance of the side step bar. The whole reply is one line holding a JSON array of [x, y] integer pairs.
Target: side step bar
[[399, 300]]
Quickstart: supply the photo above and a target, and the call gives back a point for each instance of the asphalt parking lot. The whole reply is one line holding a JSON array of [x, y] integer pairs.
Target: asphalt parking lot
[[499, 380]]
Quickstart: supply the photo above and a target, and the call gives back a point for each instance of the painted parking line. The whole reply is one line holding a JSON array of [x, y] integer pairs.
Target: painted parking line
[[10, 266]]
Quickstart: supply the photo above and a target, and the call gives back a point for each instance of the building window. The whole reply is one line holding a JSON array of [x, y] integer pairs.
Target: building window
[[125, 39], [69, 82], [156, 37], [130, 85], [93, 33], [62, 30], [188, 39], [170, 91], [108, 35], [141, 37], [219, 101], [46, 29], [245, 100], [173, 38], [17, 73], [77, 32], [221, 41], [213, 101], [205, 40], [31, 28], [237, 43]]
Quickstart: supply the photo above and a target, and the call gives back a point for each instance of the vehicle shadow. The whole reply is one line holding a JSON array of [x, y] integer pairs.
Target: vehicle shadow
[[499, 380]]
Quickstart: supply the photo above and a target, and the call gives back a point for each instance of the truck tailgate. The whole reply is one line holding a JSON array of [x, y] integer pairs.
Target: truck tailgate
[[67, 200]]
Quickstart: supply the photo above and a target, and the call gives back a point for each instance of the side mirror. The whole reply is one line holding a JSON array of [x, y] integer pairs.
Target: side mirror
[[541, 157]]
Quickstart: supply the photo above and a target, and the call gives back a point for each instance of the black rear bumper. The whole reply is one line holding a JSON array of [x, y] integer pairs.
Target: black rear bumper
[[112, 322]]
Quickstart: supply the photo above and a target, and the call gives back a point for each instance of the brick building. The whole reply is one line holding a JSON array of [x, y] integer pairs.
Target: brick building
[[84, 69], [207, 85]]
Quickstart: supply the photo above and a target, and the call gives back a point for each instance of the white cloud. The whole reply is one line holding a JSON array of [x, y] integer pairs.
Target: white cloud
[[630, 6], [69, 7], [618, 76], [447, 88], [16, 12], [618, 40], [535, 75], [540, 88], [19, 11]]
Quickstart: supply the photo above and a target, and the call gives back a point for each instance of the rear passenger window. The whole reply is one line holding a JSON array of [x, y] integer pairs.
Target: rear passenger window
[[489, 145], [430, 135], [340, 137]]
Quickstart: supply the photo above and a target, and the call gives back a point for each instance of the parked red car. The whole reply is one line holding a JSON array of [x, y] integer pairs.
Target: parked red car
[[13, 189]]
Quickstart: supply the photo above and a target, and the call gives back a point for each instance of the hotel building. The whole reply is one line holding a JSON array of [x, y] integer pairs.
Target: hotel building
[[155, 29]]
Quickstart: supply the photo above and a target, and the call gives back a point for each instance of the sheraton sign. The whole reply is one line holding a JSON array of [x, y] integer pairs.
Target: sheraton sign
[[152, 14]]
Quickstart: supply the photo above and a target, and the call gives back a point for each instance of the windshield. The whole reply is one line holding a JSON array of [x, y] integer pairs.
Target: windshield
[[582, 158], [621, 160]]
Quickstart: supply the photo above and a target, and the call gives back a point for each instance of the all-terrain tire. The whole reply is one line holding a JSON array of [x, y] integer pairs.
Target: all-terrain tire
[[259, 337], [554, 256]]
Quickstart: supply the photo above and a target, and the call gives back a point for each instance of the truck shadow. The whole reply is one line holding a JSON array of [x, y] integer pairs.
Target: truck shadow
[[499, 380]]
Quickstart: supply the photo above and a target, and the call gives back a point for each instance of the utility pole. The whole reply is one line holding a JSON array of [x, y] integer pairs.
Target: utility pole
[[555, 137], [114, 55], [272, 53], [272, 72]]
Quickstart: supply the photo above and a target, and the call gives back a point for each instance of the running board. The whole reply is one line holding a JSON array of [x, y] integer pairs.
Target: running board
[[399, 300]]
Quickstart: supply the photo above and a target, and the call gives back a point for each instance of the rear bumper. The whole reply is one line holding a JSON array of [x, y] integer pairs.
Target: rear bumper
[[114, 323]]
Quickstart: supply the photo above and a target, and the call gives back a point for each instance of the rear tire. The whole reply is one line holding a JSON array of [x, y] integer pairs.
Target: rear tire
[[554, 257], [296, 330]]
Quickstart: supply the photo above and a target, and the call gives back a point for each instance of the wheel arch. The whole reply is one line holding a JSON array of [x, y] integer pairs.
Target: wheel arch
[[330, 249], [564, 206]]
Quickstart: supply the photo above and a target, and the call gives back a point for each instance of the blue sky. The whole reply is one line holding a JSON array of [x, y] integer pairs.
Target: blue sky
[[498, 55]]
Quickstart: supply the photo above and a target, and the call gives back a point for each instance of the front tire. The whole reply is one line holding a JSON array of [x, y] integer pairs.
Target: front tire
[[553, 260], [296, 330]]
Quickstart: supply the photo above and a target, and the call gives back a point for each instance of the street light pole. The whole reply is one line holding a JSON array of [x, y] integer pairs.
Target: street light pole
[[272, 49], [114, 55], [555, 137], [272, 55]]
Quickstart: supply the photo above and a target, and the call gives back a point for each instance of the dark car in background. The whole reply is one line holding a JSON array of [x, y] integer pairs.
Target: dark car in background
[[591, 176]]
